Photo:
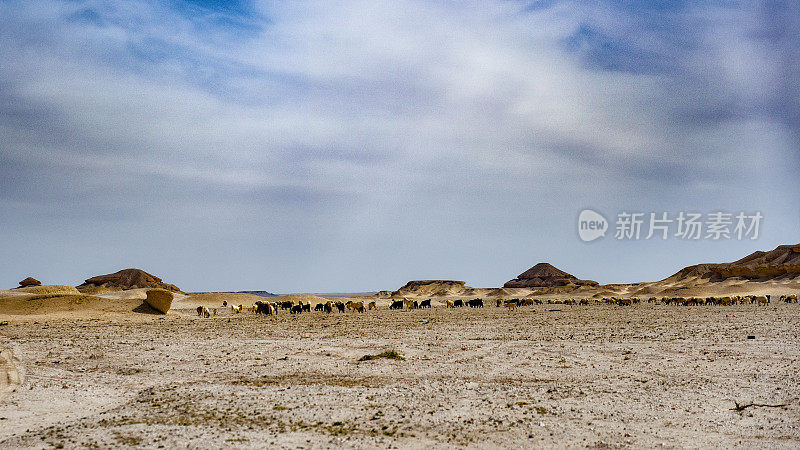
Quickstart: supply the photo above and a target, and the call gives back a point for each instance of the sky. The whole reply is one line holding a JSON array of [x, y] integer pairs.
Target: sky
[[318, 146]]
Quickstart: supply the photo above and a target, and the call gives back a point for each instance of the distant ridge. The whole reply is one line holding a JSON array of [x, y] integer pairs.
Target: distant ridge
[[344, 294], [258, 293]]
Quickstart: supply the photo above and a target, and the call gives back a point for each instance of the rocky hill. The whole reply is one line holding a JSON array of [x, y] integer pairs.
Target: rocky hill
[[781, 263], [545, 275], [431, 288], [128, 279]]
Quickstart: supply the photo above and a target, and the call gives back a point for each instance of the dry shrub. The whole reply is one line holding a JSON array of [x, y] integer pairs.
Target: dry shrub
[[391, 354]]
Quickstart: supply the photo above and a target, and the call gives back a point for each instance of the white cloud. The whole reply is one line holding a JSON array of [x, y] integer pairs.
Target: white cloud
[[332, 125]]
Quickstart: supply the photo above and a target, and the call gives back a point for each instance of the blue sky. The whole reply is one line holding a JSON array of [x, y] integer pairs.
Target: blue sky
[[345, 146]]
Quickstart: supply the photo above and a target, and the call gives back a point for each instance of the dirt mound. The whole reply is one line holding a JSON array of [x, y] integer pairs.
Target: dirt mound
[[783, 263], [647, 290], [30, 281], [98, 290], [500, 292], [128, 279], [545, 275], [431, 288]]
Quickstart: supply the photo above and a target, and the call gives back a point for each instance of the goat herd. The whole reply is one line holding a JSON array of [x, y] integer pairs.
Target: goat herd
[[272, 308]]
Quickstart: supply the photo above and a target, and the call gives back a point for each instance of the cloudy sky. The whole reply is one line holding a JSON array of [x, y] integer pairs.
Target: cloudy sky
[[316, 146]]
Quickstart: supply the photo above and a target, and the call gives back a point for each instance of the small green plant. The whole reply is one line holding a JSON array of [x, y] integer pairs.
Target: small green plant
[[390, 354], [340, 428]]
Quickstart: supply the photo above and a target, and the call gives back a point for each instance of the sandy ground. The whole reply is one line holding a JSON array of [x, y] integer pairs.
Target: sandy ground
[[549, 375]]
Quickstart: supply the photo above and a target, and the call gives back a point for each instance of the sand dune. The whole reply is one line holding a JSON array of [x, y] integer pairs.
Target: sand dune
[[119, 294], [52, 290], [58, 302], [80, 306]]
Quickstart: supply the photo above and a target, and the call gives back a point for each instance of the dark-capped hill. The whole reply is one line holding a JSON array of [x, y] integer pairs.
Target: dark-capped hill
[[30, 281], [545, 275], [783, 262], [128, 279]]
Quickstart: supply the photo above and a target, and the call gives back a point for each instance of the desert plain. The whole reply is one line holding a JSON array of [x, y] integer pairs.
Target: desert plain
[[549, 375], [571, 365]]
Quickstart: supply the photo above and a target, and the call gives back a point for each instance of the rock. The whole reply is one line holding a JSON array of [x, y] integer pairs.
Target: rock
[[128, 279], [160, 299], [545, 275], [11, 376], [30, 281]]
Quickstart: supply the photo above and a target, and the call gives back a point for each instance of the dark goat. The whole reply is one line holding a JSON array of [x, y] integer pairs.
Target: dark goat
[[477, 303]]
